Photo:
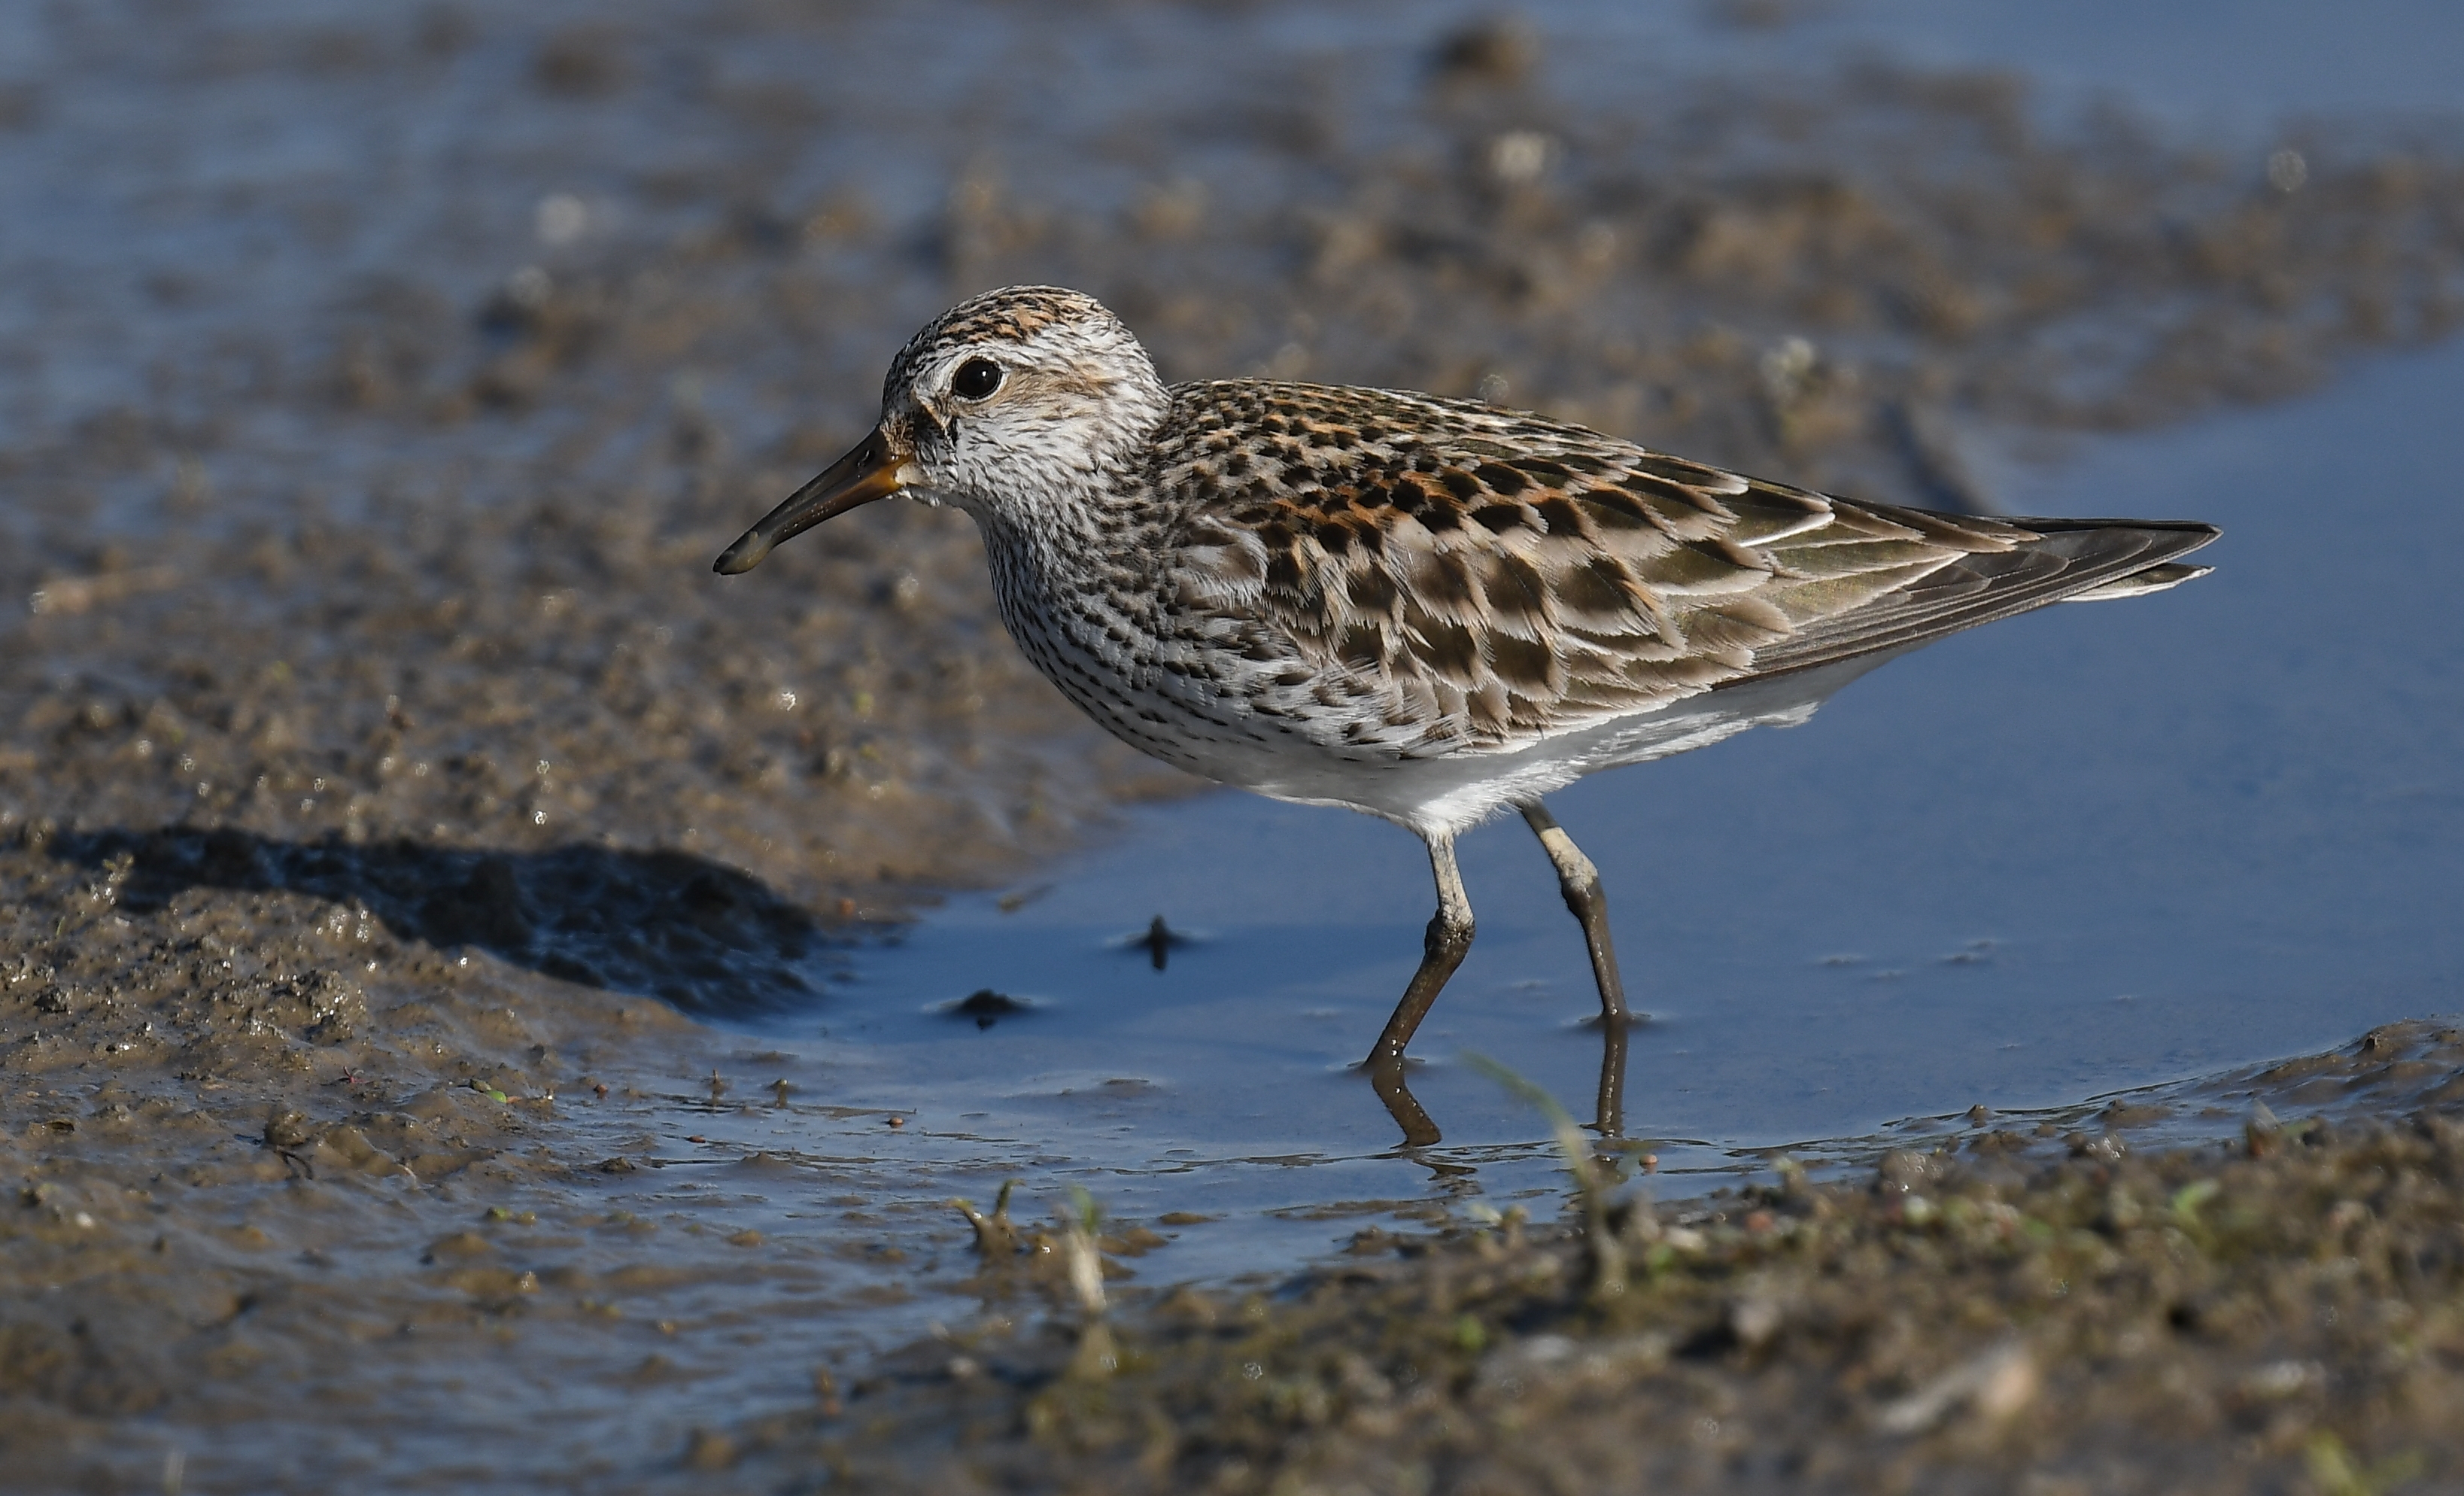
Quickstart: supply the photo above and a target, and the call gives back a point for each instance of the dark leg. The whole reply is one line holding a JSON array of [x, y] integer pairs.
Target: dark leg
[[1580, 883], [1442, 950]]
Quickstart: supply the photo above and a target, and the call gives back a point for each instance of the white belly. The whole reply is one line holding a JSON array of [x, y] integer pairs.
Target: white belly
[[1446, 794]]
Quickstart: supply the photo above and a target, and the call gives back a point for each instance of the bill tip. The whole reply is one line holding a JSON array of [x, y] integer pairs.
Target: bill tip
[[742, 557]]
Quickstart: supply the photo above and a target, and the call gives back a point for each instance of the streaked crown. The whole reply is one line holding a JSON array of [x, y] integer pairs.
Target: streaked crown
[[1021, 397]]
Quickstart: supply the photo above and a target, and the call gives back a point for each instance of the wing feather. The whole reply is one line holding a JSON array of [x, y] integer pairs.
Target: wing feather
[[1460, 577]]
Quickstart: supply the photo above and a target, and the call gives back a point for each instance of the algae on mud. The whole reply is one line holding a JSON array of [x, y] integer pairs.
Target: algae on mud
[[388, 795]]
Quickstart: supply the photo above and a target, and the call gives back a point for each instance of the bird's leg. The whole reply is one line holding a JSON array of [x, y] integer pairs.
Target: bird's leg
[[1580, 882], [1443, 948]]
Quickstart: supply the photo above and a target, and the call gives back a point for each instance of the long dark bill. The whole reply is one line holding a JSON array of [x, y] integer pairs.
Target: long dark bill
[[869, 473]]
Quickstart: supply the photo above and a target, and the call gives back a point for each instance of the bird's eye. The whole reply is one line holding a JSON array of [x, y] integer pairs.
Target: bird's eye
[[975, 379]]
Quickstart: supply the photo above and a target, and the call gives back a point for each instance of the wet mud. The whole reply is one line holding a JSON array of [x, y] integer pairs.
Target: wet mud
[[395, 814]]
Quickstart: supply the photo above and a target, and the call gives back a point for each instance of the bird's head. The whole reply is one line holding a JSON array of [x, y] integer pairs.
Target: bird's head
[[1005, 406]]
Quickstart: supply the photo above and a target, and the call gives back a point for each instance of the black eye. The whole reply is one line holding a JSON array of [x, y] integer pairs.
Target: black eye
[[975, 379]]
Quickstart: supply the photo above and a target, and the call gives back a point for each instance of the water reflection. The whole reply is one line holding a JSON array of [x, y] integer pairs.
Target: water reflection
[[1420, 1130]]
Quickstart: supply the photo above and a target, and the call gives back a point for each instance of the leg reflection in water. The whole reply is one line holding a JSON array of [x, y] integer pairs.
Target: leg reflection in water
[[1608, 1118]]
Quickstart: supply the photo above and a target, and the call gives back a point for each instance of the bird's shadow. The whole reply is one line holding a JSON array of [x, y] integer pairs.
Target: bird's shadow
[[711, 941]]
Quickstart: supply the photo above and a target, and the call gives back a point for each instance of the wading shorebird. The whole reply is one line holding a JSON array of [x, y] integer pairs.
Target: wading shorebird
[[1427, 609]]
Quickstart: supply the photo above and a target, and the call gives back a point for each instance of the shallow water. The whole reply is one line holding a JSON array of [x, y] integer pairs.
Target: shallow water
[[2246, 65]]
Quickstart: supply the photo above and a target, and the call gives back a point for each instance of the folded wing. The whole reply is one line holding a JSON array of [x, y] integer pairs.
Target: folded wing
[[1439, 576]]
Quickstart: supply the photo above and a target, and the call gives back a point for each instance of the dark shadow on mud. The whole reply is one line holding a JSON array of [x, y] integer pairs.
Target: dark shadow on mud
[[706, 939]]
